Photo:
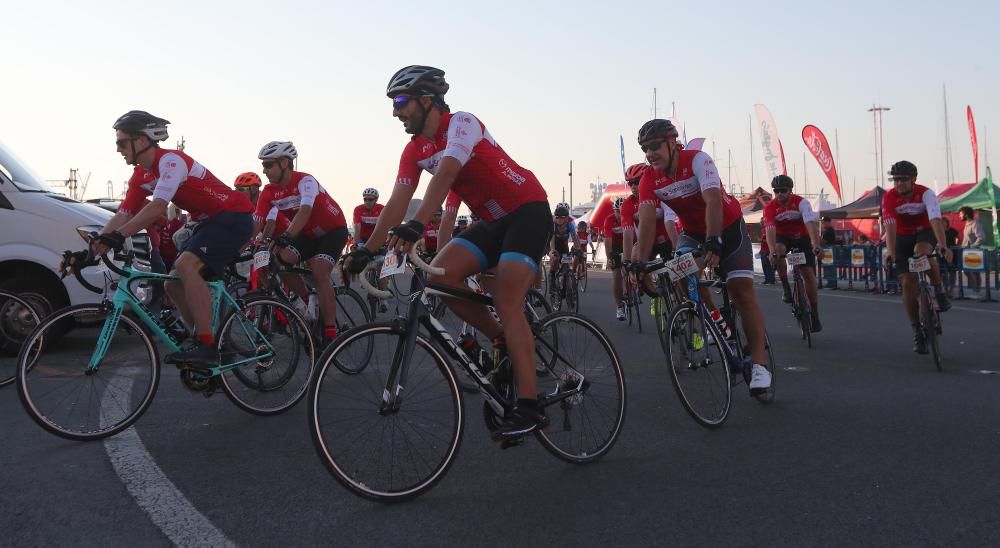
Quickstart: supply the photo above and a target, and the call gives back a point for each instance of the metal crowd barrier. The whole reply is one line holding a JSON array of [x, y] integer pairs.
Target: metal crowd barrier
[[862, 266]]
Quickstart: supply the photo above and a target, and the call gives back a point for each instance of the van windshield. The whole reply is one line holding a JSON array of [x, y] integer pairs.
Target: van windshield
[[14, 170]]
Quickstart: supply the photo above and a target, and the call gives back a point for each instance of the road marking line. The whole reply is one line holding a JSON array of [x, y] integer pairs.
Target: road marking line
[[166, 506]]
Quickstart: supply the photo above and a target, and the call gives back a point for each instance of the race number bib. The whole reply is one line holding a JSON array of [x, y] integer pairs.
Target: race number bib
[[261, 259], [567, 259], [394, 263], [682, 267], [796, 259], [920, 264]]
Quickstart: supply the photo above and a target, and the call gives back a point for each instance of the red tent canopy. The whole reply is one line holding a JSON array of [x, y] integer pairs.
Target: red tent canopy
[[603, 208]]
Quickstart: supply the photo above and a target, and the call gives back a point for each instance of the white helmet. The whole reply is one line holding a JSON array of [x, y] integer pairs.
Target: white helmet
[[278, 149], [462, 219], [562, 204], [370, 192]]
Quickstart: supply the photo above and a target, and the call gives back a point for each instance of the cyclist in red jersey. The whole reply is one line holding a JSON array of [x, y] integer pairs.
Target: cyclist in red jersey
[[430, 237], [446, 230], [913, 227], [318, 229], [666, 225], [461, 155], [223, 229], [790, 222], [689, 183], [276, 223], [613, 254], [366, 215]]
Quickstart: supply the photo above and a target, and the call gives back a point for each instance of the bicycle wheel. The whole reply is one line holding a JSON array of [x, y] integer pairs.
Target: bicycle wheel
[[584, 392], [278, 379], [351, 313], [698, 370], [804, 310], [927, 320], [17, 320], [572, 293], [637, 309], [385, 454], [64, 398], [583, 279], [537, 304]]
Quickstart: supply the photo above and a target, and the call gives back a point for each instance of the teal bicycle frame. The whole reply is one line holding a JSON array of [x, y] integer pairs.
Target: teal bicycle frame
[[125, 297]]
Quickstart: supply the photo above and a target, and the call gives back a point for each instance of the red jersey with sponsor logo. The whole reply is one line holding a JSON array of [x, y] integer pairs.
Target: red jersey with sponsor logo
[[910, 214], [613, 231], [452, 202], [178, 178], [630, 217], [490, 182], [367, 218], [302, 189], [789, 219], [431, 237], [696, 172]]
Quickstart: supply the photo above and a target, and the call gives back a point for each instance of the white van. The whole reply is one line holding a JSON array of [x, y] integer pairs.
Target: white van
[[36, 226]]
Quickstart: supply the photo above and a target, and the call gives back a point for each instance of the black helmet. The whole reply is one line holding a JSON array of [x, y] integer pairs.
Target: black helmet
[[903, 169], [782, 181], [561, 212], [142, 122], [429, 80], [657, 128]]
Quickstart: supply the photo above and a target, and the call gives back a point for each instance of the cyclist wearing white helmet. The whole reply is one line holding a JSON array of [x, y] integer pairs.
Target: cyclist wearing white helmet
[[317, 232], [366, 215]]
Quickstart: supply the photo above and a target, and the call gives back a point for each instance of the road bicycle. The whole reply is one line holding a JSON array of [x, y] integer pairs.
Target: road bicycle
[[701, 358], [801, 307], [390, 430], [102, 376], [563, 287], [17, 319], [631, 299], [927, 308]]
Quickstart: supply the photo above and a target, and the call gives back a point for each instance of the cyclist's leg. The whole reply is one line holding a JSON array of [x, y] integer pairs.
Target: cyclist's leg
[[460, 259], [905, 246], [291, 256], [737, 266], [513, 280], [616, 280], [328, 248], [781, 267]]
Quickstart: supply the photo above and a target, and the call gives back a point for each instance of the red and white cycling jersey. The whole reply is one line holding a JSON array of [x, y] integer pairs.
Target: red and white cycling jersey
[[452, 203], [630, 217], [490, 182], [430, 237], [302, 190], [789, 219], [613, 232], [367, 218], [178, 178], [696, 172], [912, 214]]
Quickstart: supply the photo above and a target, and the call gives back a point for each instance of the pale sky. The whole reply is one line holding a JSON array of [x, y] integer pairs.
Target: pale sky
[[552, 81]]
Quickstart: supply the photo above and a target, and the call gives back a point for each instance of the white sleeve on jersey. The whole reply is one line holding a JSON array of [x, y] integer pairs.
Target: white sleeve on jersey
[[705, 171], [808, 215], [173, 173], [308, 190], [464, 133], [932, 205], [668, 214], [272, 215]]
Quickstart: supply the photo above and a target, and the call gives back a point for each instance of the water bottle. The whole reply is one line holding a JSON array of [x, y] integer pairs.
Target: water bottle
[[312, 308], [721, 323], [301, 307]]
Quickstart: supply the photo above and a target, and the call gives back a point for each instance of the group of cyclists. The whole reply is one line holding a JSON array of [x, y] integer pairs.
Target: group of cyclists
[[677, 202]]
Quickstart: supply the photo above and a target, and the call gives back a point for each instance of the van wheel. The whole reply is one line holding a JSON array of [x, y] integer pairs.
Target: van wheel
[[44, 297]]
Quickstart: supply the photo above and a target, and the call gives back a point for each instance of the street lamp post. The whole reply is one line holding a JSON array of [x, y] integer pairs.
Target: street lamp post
[[879, 143]]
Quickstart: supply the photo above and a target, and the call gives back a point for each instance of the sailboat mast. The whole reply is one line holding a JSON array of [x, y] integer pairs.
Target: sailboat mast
[[753, 184], [949, 166]]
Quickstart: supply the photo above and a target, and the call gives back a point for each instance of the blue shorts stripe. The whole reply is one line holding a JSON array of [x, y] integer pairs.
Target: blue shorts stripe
[[483, 263], [519, 257]]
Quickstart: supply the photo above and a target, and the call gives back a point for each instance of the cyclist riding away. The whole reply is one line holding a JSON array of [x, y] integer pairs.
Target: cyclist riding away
[[613, 254], [913, 227], [318, 229], [790, 223], [223, 215], [689, 183], [460, 153]]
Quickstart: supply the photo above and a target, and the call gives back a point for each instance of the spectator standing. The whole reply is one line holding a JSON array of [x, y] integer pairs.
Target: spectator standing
[[952, 239], [828, 237], [972, 236]]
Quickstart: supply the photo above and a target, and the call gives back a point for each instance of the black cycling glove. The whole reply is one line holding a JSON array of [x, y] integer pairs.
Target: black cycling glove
[[713, 245], [409, 232], [113, 239], [360, 258]]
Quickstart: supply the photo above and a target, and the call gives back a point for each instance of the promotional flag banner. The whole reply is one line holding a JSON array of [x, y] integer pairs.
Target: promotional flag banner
[[972, 136], [816, 143], [774, 157]]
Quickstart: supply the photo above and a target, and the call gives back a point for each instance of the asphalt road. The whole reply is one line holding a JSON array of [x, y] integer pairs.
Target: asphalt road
[[866, 444]]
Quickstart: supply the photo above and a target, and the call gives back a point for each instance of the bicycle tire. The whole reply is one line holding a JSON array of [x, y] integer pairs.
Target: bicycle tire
[[573, 293], [698, 370], [579, 434], [584, 279], [49, 397], [265, 387], [18, 318], [926, 311], [804, 310], [351, 404], [637, 299]]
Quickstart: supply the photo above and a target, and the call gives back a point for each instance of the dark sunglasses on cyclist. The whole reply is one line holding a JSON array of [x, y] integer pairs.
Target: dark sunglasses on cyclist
[[900, 179], [782, 190], [369, 199], [121, 142], [654, 146], [400, 101], [268, 164]]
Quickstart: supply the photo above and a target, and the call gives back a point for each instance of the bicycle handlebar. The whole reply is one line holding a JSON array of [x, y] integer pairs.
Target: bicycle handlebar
[[69, 264]]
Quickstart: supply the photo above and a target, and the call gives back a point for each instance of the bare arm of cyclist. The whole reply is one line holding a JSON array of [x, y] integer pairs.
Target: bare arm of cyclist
[[713, 220], [647, 230], [391, 216]]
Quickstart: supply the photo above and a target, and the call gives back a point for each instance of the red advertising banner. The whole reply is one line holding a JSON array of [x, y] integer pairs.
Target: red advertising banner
[[816, 143], [972, 136]]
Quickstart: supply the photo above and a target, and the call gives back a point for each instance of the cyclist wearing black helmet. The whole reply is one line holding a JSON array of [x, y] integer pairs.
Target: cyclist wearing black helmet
[[689, 183], [461, 155], [912, 218], [224, 226], [790, 223], [613, 246]]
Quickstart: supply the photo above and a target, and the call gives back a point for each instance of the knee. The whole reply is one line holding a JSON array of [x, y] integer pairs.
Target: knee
[[187, 265]]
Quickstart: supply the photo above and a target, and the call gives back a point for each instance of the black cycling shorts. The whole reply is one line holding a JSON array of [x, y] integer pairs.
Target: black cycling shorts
[[737, 253], [218, 240], [522, 235], [327, 247], [802, 244], [905, 244]]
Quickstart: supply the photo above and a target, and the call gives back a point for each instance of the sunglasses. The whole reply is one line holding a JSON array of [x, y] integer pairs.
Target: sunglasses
[[400, 101], [268, 164], [782, 190], [369, 199], [654, 146], [900, 179], [121, 142]]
